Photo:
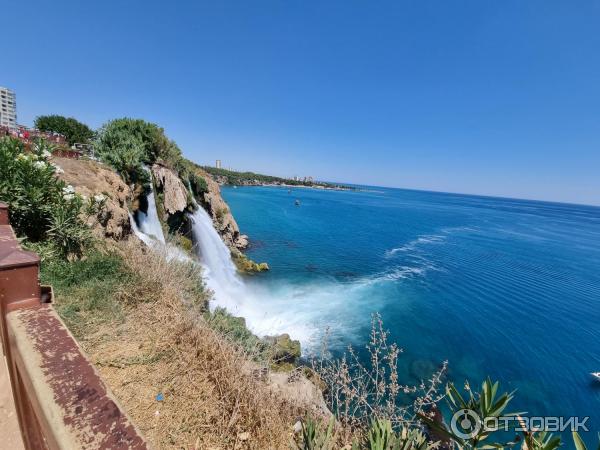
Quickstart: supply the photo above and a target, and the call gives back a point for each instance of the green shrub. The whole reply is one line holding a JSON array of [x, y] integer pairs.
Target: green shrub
[[235, 329], [41, 206], [73, 130], [124, 152], [126, 144], [315, 436], [198, 185]]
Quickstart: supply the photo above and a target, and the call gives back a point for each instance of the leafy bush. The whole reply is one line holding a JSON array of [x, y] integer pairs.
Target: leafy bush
[[126, 144], [40, 205], [235, 329], [198, 185], [73, 130]]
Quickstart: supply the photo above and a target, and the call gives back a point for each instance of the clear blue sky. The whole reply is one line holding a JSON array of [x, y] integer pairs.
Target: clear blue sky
[[498, 97]]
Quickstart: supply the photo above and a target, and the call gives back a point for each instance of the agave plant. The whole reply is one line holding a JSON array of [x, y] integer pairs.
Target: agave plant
[[479, 406], [579, 444], [315, 436], [381, 436], [540, 440]]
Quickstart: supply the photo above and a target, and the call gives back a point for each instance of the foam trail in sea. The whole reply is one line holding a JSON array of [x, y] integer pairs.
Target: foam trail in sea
[[304, 311]]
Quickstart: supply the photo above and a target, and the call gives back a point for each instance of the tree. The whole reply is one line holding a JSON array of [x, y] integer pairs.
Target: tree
[[156, 145], [73, 130], [127, 144]]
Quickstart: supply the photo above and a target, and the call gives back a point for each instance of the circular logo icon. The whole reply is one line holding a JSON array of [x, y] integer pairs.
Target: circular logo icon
[[465, 423]]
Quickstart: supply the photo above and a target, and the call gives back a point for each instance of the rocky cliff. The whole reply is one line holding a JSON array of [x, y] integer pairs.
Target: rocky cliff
[[175, 193], [90, 178]]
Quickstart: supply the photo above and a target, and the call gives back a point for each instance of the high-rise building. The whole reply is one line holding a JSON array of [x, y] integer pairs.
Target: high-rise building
[[8, 108], [218, 164]]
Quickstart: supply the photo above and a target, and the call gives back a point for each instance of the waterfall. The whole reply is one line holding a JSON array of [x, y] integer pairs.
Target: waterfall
[[265, 312], [220, 271], [150, 231], [149, 223], [149, 241]]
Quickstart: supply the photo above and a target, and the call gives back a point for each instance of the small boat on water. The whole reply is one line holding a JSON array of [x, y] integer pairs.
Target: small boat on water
[[596, 375]]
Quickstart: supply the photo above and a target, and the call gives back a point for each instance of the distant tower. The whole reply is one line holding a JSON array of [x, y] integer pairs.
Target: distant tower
[[218, 164], [8, 108]]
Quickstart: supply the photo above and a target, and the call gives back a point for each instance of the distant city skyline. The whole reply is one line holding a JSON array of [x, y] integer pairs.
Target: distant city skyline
[[480, 98]]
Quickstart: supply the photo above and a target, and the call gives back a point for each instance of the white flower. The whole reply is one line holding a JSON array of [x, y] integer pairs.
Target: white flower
[[99, 198], [69, 196], [22, 157], [39, 164], [57, 168], [68, 190], [46, 154]]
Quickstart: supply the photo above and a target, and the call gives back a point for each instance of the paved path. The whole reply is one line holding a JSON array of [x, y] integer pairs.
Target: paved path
[[11, 436]]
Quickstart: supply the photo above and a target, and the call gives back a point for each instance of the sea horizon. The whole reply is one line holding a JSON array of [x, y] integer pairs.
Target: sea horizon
[[433, 191]]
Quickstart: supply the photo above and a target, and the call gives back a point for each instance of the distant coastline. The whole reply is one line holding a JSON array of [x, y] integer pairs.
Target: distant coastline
[[234, 178]]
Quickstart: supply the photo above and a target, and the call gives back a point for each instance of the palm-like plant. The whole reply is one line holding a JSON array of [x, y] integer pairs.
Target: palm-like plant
[[315, 436], [484, 404], [579, 444], [381, 436]]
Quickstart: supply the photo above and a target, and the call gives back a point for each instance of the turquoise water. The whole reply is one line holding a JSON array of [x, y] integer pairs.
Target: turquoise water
[[499, 287]]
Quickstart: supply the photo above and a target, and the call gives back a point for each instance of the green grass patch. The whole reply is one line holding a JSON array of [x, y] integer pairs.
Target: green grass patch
[[235, 329], [87, 291]]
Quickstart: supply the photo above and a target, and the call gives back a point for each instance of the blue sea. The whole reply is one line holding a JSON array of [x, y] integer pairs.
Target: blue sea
[[498, 287]]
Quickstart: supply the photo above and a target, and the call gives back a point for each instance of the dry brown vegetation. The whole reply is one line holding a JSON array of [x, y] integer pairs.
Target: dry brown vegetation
[[362, 390], [212, 396]]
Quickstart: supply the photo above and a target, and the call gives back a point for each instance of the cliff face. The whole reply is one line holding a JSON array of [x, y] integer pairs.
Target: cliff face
[[174, 191], [90, 178], [221, 215]]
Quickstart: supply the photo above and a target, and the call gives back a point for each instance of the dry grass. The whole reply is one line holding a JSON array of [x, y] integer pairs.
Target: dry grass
[[211, 397]]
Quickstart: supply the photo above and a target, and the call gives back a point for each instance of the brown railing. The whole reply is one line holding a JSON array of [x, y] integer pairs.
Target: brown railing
[[61, 401]]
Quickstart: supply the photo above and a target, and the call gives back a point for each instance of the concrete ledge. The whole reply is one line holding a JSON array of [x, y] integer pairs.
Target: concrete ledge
[[67, 395], [60, 400]]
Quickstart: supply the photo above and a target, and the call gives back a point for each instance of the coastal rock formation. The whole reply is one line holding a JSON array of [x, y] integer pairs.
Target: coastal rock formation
[[175, 194], [245, 264], [284, 350], [90, 178], [221, 215]]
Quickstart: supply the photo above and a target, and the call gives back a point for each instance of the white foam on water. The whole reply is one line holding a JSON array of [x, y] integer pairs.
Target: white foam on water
[[415, 243], [304, 311]]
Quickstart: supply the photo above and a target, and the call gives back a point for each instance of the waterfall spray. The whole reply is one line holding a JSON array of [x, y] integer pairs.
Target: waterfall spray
[[149, 223]]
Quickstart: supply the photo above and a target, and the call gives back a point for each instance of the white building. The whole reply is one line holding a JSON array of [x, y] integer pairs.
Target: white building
[[218, 164], [8, 108]]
